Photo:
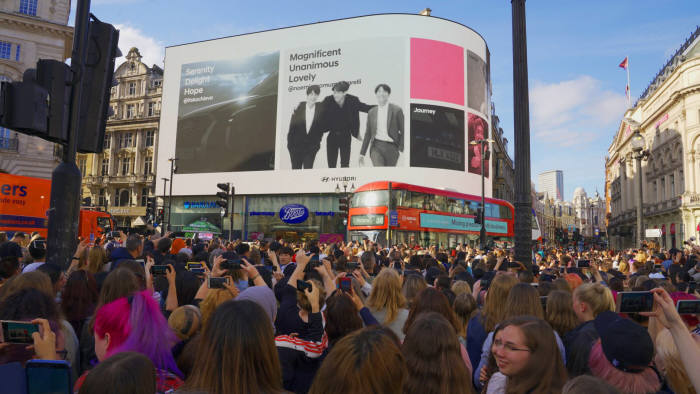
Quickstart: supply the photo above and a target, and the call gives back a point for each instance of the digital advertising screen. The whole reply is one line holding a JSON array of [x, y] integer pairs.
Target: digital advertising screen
[[300, 109]]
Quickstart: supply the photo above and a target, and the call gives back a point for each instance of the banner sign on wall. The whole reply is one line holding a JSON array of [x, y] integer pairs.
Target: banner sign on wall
[[370, 98], [460, 223]]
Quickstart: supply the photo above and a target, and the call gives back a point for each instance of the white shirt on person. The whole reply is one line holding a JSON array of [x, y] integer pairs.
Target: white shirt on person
[[383, 123], [310, 112]]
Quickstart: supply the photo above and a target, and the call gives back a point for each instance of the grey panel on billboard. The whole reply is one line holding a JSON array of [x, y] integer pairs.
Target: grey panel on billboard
[[477, 83], [227, 115]]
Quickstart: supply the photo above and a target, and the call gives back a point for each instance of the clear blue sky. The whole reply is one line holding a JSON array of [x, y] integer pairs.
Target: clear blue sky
[[574, 47]]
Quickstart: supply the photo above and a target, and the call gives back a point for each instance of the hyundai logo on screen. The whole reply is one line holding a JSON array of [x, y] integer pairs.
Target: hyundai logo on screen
[[294, 213]]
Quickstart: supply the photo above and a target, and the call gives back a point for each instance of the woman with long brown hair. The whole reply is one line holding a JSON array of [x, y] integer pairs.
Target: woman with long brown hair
[[560, 312], [95, 261], [364, 361], [525, 352], [491, 314], [433, 357], [236, 353], [387, 303]]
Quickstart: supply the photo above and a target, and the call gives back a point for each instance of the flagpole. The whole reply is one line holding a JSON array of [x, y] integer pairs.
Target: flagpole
[[629, 88]]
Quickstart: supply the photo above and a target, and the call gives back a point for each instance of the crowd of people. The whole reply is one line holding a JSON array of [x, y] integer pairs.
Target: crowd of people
[[151, 314]]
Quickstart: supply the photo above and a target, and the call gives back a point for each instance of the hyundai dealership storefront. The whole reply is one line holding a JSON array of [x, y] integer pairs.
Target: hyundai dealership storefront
[[266, 112], [291, 217]]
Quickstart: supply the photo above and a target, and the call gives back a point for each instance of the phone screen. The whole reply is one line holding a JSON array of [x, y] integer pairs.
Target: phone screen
[[18, 332], [45, 376], [345, 284], [217, 283], [635, 301], [159, 269], [583, 263], [688, 307], [193, 264]]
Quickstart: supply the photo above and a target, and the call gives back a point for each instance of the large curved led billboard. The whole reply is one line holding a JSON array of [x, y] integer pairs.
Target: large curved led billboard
[[301, 109]]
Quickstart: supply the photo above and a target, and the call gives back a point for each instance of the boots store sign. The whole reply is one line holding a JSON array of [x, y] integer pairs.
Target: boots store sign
[[294, 213]]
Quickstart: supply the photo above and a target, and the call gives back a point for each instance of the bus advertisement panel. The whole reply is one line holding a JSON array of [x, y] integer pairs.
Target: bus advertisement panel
[[299, 109]]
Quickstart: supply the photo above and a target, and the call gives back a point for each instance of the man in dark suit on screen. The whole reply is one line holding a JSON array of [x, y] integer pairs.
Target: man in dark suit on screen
[[342, 120], [385, 131], [305, 130]]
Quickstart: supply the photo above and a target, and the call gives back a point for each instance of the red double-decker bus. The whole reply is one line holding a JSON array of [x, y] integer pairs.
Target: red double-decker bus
[[426, 216]]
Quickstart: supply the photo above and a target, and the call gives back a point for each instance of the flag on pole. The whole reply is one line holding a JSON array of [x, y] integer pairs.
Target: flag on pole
[[624, 63]]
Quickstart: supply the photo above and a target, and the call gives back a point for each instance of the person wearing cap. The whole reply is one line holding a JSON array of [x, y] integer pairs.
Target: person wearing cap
[[622, 356]]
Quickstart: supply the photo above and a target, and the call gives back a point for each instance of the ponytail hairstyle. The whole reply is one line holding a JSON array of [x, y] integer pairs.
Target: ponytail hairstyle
[[598, 297], [135, 323]]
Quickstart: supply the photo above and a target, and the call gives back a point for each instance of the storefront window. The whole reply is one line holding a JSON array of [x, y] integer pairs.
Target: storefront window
[[374, 198]]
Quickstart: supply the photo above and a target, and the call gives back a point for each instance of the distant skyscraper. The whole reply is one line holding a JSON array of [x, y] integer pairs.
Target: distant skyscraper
[[552, 184]]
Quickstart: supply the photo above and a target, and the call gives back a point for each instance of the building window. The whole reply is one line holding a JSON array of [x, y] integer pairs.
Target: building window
[[655, 194], [5, 48], [144, 196], [17, 53], [148, 165], [663, 188], [122, 199], [130, 111], [673, 186], [150, 137], [105, 167], [151, 108], [157, 83], [82, 164], [132, 88], [27, 7], [101, 200], [125, 165], [107, 141]]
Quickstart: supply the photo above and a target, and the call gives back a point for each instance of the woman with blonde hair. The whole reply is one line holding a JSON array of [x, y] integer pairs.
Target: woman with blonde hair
[[412, 285], [589, 300], [669, 362], [387, 303], [95, 262], [460, 287], [214, 298], [491, 314]]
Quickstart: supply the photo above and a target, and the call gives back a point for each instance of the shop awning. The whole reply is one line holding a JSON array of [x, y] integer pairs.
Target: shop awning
[[201, 226]]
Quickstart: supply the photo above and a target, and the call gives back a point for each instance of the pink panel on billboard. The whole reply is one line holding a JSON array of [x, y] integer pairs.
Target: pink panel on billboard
[[437, 71]]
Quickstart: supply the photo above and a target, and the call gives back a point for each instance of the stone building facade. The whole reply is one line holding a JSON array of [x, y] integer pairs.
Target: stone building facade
[[31, 30], [669, 116]]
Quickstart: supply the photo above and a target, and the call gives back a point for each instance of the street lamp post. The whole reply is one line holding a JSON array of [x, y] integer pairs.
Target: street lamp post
[[346, 196], [639, 153], [172, 161], [165, 185], [482, 150]]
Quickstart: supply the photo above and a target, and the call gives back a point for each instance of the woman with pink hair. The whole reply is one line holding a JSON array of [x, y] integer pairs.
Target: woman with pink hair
[[135, 323]]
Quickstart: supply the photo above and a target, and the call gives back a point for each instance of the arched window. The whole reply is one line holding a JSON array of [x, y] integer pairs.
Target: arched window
[[124, 198]]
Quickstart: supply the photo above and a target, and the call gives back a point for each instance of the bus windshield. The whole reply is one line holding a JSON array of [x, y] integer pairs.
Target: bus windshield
[[373, 198]]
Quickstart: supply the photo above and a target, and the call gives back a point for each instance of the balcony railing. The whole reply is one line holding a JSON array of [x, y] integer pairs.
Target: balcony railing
[[9, 144]]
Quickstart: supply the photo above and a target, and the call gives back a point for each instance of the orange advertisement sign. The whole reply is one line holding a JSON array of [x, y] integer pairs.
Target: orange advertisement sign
[[24, 202]]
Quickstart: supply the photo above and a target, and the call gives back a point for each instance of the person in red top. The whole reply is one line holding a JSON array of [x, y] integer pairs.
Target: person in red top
[[135, 323]]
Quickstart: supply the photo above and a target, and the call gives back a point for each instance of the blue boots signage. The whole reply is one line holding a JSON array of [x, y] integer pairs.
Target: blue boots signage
[[294, 213]]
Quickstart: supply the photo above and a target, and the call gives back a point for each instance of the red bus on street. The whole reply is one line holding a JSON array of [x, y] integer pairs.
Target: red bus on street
[[426, 216]]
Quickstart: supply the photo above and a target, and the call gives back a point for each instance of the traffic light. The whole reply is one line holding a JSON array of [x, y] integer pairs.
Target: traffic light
[[24, 105], [150, 209], [223, 196], [56, 78], [479, 215], [97, 83], [344, 206], [160, 218]]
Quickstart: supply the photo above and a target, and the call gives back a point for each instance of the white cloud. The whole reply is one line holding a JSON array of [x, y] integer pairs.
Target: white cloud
[[573, 112], [152, 50]]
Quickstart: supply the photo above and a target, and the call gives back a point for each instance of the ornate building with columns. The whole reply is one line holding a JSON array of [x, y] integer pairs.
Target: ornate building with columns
[[31, 30], [669, 116], [590, 212], [122, 177]]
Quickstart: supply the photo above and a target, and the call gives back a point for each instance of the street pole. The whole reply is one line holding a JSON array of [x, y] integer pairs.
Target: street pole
[[170, 198], [640, 224], [66, 178], [230, 229], [521, 112], [388, 235], [162, 225], [482, 231]]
